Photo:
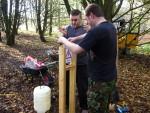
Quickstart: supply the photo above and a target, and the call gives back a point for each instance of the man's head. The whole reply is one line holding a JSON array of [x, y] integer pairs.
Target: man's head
[[75, 17], [92, 12]]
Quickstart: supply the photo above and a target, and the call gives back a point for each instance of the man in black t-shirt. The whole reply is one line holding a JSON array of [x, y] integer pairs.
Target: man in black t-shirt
[[100, 42]]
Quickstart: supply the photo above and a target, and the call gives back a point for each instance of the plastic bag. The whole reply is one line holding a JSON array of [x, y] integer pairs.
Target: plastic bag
[[32, 63], [68, 56]]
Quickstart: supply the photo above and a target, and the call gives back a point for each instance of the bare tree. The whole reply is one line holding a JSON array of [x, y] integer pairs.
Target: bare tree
[[50, 17], [25, 14], [0, 23], [42, 24], [10, 19]]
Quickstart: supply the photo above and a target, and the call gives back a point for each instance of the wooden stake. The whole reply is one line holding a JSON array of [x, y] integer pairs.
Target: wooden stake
[[62, 79], [72, 85]]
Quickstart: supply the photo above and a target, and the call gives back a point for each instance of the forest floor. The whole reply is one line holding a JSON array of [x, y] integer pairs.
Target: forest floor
[[16, 93]]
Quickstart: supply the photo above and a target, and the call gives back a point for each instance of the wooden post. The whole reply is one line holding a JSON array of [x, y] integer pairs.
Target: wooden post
[[62, 81], [72, 85]]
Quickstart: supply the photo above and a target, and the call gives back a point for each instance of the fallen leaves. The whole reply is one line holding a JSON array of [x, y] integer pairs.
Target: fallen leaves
[[134, 82], [16, 92]]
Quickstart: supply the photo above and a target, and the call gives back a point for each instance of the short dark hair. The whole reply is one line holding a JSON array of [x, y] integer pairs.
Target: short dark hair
[[75, 12], [95, 9]]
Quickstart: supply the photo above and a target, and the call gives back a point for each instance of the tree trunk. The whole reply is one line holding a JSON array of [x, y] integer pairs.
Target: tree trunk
[[41, 29], [45, 16], [0, 37], [16, 19], [42, 38], [84, 3], [4, 4], [50, 25], [9, 39], [0, 23], [67, 6], [26, 20], [17, 26], [108, 9], [10, 21], [107, 6], [51, 18]]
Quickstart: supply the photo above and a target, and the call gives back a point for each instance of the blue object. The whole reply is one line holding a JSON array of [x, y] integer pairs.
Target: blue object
[[120, 109]]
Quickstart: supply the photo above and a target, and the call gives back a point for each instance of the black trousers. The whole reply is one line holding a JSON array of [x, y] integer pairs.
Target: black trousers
[[82, 86]]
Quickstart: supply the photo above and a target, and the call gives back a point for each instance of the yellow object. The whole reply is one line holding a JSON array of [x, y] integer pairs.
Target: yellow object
[[128, 41]]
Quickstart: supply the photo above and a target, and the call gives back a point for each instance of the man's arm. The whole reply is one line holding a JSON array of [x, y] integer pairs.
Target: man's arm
[[73, 39], [75, 48]]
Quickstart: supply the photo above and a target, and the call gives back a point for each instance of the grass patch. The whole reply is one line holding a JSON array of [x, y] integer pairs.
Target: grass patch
[[143, 49]]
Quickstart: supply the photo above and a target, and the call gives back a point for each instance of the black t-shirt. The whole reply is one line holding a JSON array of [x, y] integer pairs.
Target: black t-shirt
[[101, 42]]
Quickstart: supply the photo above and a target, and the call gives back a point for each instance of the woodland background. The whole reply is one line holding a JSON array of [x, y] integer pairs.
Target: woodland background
[[30, 27]]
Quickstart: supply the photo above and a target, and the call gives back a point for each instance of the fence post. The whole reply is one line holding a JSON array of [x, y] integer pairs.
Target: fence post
[[72, 85], [62, 81]]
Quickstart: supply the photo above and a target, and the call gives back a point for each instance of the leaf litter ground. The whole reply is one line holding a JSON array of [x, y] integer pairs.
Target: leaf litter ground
[[16, 93]]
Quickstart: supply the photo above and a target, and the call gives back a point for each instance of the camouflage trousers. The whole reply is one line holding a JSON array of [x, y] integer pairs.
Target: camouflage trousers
[[99, 96]]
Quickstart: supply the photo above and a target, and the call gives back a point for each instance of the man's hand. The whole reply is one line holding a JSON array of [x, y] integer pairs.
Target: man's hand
[[72, 39], [86, 27], [63, 30]]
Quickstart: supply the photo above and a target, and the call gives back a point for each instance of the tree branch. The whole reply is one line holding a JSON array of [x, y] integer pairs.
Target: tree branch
[[148, 2], [118, 8]]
